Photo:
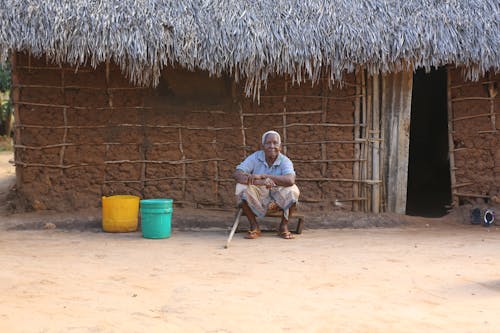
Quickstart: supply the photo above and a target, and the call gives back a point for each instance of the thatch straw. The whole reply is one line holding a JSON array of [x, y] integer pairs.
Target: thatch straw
[[254, 39]]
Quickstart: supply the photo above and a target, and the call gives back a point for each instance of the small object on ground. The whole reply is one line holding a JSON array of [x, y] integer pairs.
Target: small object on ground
[[475, 216], [488, 217], [49, 226]]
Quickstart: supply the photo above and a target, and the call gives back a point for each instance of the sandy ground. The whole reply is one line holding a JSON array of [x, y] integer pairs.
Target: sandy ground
[[436, 276]]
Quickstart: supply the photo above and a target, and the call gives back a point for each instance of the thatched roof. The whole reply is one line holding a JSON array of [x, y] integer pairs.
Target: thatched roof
[[252, 39]]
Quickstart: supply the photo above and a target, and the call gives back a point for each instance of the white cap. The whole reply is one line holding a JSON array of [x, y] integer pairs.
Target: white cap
[[271, 132]]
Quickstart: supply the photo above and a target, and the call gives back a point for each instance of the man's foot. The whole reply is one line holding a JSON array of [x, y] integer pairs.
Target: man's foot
[[284, 232], [286, 235], [252, 234]]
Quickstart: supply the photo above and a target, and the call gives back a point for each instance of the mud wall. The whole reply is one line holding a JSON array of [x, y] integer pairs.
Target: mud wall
[[83, 133], [475, 108]]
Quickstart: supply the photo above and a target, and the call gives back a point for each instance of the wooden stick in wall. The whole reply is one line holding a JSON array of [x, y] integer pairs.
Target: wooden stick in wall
[[15, 96], [324, 106], [110, 104], [73, 86], [492, 91], [331, 160], [325, 125], [489, 114], [364, 148], [356, 141], [383, 126], [72, 69], [103, 108], [243, 134], [284, 115], [209, 128], [176, 162], [369, 146], [183, 158], [340, 98], [451, 145], [237, 102], [471, 195], [216, 164], [376, 145], [471, 84], [462, 99], [357, 151], [65, 119], [265, 114], [65, 135], [143, 148]]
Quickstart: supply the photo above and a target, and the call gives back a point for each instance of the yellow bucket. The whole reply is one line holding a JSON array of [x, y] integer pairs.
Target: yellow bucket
[[120, 213]]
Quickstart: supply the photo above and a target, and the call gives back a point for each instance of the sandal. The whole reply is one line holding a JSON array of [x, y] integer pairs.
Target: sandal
[[252, 234], [286, 235]]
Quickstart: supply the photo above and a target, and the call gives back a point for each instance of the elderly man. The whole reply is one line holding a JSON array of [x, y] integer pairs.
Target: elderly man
[[266, 181]]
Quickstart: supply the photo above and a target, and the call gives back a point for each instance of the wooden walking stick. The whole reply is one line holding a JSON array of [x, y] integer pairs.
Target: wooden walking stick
[[235, 226]]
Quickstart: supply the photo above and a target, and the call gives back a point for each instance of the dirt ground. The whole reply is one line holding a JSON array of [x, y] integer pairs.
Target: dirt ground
[[427, 275]]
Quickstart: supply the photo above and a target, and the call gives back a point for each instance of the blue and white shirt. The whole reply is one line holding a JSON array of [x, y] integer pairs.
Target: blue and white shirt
[[256, 164]]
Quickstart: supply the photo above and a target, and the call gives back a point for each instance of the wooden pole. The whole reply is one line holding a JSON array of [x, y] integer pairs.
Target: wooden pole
[[65, 118], [404, 93], [324, 106], [143, 148], [397, 111], [285, 123], [363, 171], [15, 96], [215, 163], [64, 138], [110, 104], [472, 195], [242, 120], [235, 226], [183, 157], [369, 145], [383, 123], [376, 146], [355, 167], [492, 91], [451, 145], [491, 113]]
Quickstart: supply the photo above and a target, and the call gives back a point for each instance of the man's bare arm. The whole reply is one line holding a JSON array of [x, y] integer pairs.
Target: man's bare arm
[[244, 178], [284, 180]]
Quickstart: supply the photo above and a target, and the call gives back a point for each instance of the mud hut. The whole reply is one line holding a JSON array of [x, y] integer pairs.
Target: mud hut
[[381, 104]]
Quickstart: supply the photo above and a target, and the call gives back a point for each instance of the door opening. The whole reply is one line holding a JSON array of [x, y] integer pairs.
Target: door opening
[[429, 189]]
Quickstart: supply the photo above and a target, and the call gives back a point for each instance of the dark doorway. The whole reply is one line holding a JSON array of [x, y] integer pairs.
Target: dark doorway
[[429, 189]]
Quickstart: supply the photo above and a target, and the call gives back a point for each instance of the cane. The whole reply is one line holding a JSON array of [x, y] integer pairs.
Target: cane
[[235, 226]]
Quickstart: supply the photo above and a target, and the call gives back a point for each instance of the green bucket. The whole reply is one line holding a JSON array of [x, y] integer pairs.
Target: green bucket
[[156, 218]]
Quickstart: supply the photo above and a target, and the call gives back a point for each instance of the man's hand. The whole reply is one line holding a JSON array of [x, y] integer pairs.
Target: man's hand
[[253, 179], [269, 183]]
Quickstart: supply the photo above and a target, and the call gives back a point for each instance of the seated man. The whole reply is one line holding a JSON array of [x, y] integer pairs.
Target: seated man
[[266, 179]]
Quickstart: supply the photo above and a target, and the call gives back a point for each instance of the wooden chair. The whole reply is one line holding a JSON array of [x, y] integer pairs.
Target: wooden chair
[[275, 214]]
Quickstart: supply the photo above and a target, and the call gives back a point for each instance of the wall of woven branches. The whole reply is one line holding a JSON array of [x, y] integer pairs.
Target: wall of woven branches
[[474, 123], [82, 133]]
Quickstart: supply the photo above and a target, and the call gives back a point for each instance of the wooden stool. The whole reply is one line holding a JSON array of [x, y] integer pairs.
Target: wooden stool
[[276, 214]]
